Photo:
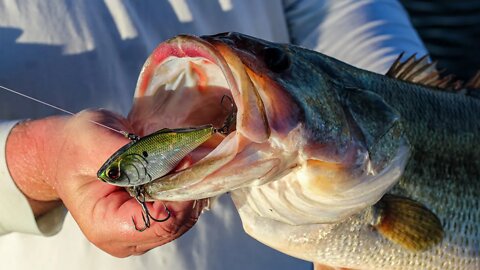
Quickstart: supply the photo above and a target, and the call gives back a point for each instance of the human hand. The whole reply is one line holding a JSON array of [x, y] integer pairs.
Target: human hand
[[58, 158]]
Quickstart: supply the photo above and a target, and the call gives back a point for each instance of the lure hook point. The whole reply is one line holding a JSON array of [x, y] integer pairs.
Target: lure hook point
[[146, 216], [225, 129]]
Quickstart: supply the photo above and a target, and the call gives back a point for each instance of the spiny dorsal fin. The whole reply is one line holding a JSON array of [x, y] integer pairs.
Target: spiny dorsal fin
[[472, 87], [407, 223], [423, 72]]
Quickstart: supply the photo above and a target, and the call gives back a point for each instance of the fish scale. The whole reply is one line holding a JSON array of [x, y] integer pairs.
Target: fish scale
[[444, 136]]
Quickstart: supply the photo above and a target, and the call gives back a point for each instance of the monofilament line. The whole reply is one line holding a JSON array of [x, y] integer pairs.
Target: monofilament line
[[62, 110]]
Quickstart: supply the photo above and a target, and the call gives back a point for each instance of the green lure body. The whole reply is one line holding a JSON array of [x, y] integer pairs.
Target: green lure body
[[152, 156]]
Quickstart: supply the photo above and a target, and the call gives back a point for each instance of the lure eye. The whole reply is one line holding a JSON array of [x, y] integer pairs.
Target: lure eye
[[277, 60], [113, 173]]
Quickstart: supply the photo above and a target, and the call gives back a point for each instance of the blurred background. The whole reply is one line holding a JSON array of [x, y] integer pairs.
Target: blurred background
[[451, 31]]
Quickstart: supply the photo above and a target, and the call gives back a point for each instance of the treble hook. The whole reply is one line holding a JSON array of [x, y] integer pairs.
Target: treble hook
[[146, 216], [225, 129]]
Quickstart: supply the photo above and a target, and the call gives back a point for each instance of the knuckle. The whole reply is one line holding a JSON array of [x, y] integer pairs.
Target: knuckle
[[168, 229]]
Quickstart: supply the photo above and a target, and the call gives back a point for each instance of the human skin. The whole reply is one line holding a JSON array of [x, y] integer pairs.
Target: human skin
[[54, 160]]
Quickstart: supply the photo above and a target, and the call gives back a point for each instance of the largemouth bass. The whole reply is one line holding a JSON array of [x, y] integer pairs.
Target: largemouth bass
[[327, 163]]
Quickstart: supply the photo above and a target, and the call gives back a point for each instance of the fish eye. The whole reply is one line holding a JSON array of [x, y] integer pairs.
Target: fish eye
[[277, 60], [113, 173]]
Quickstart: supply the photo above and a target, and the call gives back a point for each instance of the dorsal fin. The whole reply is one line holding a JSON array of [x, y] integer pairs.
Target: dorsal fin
[[472, 87], [474, 82], [422, 72]]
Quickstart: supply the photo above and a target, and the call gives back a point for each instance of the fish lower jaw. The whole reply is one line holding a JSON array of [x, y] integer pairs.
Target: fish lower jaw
[[235, 163], [231, 166]]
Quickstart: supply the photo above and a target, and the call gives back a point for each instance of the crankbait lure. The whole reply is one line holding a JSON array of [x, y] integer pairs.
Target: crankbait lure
[[149, 158], [153, 156]]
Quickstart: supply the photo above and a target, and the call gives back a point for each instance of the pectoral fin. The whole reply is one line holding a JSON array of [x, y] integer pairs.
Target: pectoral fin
[[407, 223]]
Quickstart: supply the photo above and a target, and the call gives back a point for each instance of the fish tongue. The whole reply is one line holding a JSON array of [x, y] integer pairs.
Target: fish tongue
[[199, 153], [186, 162]]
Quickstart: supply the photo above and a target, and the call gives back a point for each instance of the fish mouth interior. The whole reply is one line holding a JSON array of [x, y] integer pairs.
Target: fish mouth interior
[[185, 83]]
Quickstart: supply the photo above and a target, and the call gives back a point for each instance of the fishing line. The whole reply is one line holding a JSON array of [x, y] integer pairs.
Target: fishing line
[[126, 134]]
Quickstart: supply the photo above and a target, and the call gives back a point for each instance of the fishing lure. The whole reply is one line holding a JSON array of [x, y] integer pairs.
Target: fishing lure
[[151, 157]]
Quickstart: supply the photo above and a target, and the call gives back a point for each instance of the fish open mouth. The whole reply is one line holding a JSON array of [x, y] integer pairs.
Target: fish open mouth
[[278, 158], [182, 84]]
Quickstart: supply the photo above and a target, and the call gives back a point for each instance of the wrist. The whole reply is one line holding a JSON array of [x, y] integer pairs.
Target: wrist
[[31, 150]]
